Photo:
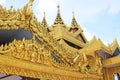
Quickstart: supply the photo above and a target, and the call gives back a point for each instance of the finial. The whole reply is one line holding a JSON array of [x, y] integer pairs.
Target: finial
[[73, 13], [11, 7], [31, 1], [58, 6], [44, 15]]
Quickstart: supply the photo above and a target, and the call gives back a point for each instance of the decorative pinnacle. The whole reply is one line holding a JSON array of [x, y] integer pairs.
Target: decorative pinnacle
[[73, 14], [58, 6], [31, 1], [44, 15], [11, 7]]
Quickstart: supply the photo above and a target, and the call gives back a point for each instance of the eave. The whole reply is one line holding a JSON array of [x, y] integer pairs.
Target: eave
[[112, 62], [67, 36], [24, 68]]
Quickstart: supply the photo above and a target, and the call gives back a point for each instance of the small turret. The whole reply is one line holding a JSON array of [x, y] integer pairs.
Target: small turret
[[74, 25], [44, 22], [75, 28], [58, 19]]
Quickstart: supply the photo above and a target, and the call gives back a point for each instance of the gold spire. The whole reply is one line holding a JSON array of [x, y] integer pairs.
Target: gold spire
[[73, 14], [31, 1], [44, 15], [58, 6], [74, 22], [58, 19], [44, 22], [114, 45]]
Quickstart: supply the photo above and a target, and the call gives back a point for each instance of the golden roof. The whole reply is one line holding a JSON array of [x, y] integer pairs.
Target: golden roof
[[52, 58]]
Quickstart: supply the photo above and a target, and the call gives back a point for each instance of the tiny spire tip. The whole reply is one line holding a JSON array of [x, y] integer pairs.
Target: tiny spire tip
[[58, 6], [73, 13], [44, 13]]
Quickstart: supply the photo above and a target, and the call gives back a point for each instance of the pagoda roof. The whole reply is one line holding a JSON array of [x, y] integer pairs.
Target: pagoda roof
[[48, 59], [58, 19], [74, 23]]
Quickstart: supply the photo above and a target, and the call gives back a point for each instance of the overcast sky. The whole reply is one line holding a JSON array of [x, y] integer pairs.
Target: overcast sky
[[96, 17]]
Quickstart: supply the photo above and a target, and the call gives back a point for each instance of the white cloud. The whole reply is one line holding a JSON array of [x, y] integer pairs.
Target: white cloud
[[87, 34], [89, 9], [46, 5], [2, 1], [86, 10]]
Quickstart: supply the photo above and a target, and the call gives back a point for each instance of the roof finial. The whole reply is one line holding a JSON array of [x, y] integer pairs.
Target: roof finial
[[44, 22], [44, 14], [73, 13], [58, 19], [31, 1], [58, 6]]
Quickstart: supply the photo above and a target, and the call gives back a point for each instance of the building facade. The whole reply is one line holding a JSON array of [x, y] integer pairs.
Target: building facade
[[33, 50]]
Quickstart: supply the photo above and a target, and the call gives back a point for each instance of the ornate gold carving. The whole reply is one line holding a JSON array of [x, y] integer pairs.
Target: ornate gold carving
[[40, 54]]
